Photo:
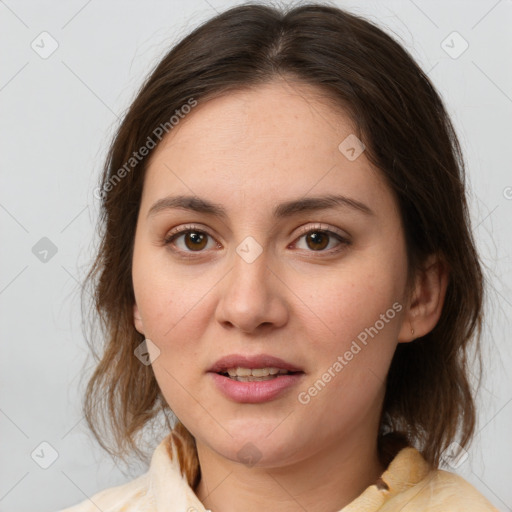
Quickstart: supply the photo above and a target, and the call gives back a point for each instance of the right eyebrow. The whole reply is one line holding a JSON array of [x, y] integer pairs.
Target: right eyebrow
[[192, 203]]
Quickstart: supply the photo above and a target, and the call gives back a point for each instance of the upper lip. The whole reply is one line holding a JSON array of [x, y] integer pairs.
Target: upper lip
[[256, 361]]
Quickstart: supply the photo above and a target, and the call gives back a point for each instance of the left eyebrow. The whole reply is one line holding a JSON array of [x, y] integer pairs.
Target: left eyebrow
[[286, 209], [312, 204]]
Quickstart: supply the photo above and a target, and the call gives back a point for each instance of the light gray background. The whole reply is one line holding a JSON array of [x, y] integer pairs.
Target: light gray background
[[58, 115]]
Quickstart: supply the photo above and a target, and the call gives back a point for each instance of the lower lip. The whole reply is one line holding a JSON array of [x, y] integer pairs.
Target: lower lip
[[256, 391]]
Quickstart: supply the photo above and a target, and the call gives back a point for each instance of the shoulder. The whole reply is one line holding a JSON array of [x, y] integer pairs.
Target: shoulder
[[441, 491], [130, 496]]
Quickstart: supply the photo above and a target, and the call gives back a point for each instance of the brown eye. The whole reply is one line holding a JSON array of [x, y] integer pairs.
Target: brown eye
[[189, 240], [322, 241], [317, 240], [195, 241]]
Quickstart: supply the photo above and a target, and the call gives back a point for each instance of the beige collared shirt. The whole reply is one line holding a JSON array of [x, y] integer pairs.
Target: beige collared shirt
[[406, 486]]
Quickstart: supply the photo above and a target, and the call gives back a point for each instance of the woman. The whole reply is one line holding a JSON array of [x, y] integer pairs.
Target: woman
[[287, 265]]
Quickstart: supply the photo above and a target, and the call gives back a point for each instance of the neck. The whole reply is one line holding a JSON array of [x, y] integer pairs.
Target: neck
[[325, 482]]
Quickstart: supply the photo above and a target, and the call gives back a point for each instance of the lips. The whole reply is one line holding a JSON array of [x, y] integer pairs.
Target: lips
[[257, 361]]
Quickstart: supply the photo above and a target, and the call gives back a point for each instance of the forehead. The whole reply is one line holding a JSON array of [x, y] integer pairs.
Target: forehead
[[263, 144]]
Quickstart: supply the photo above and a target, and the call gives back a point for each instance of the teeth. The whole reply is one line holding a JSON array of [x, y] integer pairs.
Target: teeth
[[255, 372], [240, 372], [253, 379]]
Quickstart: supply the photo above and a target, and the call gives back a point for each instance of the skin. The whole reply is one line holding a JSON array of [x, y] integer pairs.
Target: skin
[[249, 151]]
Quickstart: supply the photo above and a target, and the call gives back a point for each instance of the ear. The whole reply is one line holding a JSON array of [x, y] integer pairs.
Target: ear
[[427, 299], [137, 320]]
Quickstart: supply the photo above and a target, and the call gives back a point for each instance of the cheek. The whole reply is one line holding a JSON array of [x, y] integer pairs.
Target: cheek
[[353, 316], [352, 356], [343, 302], [167, 298], [175, 309], [172, 308]]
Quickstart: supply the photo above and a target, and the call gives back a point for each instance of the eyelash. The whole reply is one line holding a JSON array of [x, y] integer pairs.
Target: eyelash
[[343, 242]]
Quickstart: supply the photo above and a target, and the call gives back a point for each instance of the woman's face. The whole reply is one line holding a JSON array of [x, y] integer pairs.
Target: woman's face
[[281, 272]]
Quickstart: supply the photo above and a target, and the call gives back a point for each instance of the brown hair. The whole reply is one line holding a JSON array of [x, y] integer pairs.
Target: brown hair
[[408, 136]]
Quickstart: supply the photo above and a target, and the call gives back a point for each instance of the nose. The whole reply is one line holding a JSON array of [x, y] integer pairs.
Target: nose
[[252, 297]]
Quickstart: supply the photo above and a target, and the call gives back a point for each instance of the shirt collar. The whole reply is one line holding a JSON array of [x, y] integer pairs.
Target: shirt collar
[[172, 493], [169, 488]]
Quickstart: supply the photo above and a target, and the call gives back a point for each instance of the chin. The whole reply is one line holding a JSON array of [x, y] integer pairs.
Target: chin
[[259, 450]]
